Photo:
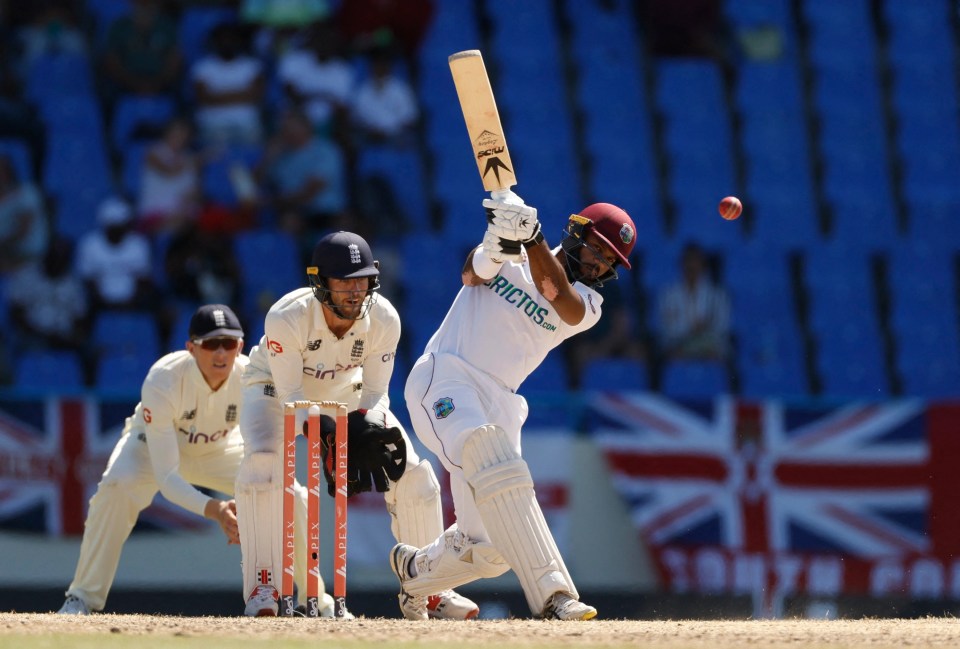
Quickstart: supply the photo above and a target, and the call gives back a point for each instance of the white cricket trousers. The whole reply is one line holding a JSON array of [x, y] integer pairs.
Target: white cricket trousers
[[127, 488], [448, 399]]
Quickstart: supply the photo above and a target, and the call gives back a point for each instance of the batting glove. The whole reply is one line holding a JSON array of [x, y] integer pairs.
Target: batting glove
[[499, 250], [509, 218]]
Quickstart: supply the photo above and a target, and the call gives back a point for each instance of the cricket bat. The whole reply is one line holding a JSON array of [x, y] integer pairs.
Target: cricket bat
[[483, 120]]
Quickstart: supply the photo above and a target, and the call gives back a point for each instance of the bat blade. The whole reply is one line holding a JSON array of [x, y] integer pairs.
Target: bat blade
[[483, 120]]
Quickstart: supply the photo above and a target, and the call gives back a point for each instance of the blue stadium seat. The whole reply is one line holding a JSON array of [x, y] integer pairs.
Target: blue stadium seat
[[694, 379], [133, 111], [550, 377], [52, 78], [867, 225], [127, 332], [764, 88], [19, 153], [403, 170], [76, 210], [687, 84], [287, 272], [935, 224], [131, 172], [195, 26], [215, 179], [615, 374], [76, 162], [120, 372], [48, 371]]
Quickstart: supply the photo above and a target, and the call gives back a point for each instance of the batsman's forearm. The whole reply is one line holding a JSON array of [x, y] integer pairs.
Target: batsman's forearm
[[551, 280]]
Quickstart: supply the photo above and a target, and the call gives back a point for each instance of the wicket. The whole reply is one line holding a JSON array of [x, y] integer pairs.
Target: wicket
[[314, 476]]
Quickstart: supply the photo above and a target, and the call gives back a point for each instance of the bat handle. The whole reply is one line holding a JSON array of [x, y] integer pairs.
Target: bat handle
[[506, 196]]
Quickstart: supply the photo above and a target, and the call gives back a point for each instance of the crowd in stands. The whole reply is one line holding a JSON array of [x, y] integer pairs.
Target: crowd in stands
[[159, 154], [216, 119]]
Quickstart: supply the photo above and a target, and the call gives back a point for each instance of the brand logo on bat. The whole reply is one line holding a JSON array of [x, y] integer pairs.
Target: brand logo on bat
[[496, 164]]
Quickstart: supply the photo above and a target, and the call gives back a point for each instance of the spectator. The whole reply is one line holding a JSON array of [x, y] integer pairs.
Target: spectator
[[689, 28], [284, 13], [201, 267], [18, 119], [229, 85], [319, 79], [49, 306], [24, 227], [114, 261], [369, 24], [694, 312], [385, 108], [52, 30], [307, 175], [616, 335], [142, 56], [170, 182]]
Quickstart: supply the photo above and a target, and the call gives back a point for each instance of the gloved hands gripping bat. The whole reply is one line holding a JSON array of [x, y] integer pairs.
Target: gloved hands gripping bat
[[510, 225], [376, 453]]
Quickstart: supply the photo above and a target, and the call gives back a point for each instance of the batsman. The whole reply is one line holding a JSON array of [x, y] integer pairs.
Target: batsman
[[334, 340], [519, 300]]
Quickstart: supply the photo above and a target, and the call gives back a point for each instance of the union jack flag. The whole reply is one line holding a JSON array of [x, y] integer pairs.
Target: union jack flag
[[828, 489], [52, 454]]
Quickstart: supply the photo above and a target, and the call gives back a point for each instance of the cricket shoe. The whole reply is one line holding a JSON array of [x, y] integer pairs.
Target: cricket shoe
[[413, 607], [451, 605], [74, 606], [561, 606], [262, 602]]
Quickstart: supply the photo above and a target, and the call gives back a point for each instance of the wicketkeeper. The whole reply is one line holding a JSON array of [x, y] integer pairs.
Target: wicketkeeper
[[519, 300], [334, 340]]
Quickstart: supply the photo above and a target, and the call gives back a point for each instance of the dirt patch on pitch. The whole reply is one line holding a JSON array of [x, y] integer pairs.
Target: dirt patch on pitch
[[877, 634]]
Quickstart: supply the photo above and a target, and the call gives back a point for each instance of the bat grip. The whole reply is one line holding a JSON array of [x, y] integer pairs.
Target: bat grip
[[506, 196]]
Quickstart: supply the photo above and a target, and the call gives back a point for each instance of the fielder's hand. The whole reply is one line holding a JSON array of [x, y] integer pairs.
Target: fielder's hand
[[225, 513], [510, 219], [499, 250]]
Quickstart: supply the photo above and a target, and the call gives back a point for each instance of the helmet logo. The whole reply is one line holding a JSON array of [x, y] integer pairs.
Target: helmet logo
[[626, 233], [354, 253]]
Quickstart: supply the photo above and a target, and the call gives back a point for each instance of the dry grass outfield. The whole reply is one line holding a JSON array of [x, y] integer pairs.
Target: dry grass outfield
[[43, 631]]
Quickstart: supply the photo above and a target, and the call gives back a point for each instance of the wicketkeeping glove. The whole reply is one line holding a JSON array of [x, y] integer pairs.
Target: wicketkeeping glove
[[371, 460], [510, 219]]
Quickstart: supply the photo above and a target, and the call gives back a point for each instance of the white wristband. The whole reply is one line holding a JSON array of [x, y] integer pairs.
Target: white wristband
[[483, 266]]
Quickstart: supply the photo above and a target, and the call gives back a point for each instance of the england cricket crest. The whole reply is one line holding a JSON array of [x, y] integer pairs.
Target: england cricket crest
[[443, 407]]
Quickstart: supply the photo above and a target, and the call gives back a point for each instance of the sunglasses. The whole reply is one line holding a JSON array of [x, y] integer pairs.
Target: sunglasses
[[213, 344]]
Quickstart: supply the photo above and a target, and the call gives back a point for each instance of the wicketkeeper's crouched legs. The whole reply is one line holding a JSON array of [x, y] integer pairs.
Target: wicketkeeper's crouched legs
[[413, 502], [113, 513]]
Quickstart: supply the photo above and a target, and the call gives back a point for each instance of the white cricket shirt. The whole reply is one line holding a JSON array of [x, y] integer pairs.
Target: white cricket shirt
[[506, 327], [305, 360], [181, 415]]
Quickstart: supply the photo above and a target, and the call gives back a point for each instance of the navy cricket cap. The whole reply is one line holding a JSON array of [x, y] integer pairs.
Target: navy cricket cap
[[214, 320], [343, 255]]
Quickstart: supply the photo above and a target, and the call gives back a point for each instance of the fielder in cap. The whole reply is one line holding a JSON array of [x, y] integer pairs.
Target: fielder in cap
[[519, 300], [334, 340], [182, 433]]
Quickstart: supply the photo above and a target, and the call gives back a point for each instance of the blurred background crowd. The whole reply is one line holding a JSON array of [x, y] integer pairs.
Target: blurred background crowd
[[158, 154]]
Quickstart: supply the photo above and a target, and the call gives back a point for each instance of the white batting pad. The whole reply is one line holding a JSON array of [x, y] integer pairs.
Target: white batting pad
[[416, 517], [454, 560], [503, 490], [260, 518]]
